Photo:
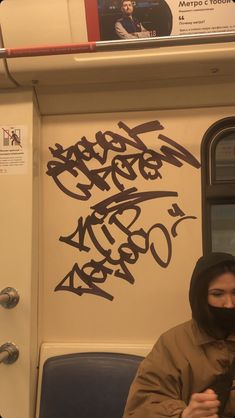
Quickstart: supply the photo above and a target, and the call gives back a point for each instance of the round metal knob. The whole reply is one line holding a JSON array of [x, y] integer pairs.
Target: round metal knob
[[9, 297], [9, 353]]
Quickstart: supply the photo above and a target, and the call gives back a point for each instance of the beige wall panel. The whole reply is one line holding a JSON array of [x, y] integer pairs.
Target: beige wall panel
[[41, 22], [19, 325], [136, 95], [5, 80], [158, 298]]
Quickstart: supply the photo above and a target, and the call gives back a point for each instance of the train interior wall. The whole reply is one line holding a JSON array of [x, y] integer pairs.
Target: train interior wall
[[101, 224], [40, 211]]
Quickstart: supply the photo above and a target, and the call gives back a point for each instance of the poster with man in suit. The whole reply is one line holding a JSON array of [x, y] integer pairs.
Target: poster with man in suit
[[127, 19]]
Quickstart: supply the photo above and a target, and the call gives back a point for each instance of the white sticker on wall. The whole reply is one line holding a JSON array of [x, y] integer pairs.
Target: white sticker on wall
[[13, 149]]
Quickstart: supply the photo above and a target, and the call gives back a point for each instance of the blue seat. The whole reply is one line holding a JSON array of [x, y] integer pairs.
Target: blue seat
[[87, 385]]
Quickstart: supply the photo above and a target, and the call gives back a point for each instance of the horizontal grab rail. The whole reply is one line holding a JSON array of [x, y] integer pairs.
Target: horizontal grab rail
[[9, 297], [118, 45], [9, 353]]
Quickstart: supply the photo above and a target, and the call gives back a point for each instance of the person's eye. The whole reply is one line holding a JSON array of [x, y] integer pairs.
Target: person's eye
[[216, 293]]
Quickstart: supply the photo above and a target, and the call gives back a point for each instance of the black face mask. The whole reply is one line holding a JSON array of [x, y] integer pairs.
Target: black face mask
[[224, 318]]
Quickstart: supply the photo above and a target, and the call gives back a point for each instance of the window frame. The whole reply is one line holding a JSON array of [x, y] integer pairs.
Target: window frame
[[214, 191]]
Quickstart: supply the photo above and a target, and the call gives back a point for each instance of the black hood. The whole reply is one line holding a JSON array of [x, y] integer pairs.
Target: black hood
[[203, 264], [207, 268]]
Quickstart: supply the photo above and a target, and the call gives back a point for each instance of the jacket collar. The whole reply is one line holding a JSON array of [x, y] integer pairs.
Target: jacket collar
[[201, 337]]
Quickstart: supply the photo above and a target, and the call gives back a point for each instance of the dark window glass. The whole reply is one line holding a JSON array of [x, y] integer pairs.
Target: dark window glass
[[223, 228], [225, 158]]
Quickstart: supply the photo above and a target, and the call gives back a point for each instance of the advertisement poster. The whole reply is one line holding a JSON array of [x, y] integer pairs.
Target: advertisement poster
[[13, 149], [127, 19]]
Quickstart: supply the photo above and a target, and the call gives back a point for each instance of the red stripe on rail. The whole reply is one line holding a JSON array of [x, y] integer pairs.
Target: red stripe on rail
[[49, 50]]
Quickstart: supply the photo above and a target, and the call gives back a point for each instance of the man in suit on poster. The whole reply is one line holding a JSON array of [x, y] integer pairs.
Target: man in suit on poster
[[128, 26]]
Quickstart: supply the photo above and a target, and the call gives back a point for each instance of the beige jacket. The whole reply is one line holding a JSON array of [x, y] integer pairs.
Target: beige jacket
[[183, 361]]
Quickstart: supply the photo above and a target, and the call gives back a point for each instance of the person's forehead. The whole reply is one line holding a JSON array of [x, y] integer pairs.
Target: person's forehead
[[224, 279], [127, 2]]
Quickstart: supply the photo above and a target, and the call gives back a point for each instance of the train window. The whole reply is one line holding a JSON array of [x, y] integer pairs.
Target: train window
[[223, 227], [224, 156], [218, 187]]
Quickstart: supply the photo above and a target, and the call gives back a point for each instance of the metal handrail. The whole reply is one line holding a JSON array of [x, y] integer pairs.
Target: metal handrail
[[9, 297], [118, 45]]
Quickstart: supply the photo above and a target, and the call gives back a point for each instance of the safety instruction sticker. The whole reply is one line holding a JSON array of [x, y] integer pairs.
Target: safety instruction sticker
[[13, 149]]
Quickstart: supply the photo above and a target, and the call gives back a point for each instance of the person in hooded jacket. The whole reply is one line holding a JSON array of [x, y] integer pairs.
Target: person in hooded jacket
[[177, 377]]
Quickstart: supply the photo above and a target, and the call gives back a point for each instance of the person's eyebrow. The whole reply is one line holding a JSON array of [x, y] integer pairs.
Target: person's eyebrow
[[220, 290]]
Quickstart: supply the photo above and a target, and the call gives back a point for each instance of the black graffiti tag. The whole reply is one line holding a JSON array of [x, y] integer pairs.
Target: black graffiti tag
[[147, 162], [113, 244], [135, 242]]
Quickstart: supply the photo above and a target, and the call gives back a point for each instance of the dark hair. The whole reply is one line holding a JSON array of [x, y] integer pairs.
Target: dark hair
[[123, 1], [199, 302]]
